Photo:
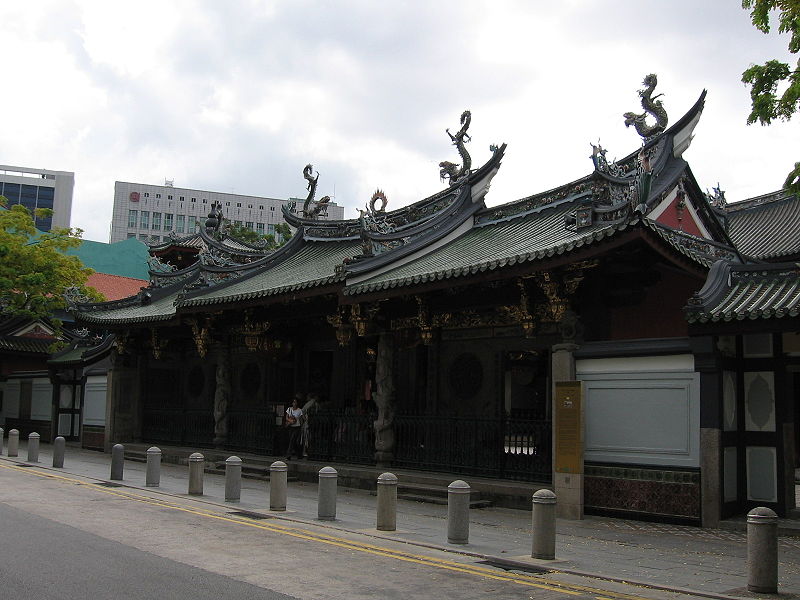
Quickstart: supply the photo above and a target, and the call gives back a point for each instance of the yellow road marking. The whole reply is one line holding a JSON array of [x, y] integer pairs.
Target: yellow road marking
[[296, 532]]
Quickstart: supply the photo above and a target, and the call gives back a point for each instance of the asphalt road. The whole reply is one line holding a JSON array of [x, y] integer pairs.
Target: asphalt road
[[43, 559], [66, 536]]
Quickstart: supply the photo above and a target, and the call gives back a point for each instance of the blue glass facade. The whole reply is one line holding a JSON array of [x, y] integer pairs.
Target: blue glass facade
[[31, 197]]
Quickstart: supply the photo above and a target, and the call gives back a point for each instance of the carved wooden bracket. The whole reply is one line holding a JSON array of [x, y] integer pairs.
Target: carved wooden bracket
[[340, 322], [201, 335]]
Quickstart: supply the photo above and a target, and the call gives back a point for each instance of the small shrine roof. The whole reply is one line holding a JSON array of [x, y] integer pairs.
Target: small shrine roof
[[766, 227], [136, 309], [739, 292]]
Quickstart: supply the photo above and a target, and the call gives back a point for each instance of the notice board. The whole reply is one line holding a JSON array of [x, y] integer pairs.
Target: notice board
[[568, 426]]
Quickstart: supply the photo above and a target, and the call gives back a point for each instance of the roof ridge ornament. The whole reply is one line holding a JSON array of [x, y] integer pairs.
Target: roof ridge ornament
[[651, 106], [215, 218], [321, 207], [601, 163], [451, 171]]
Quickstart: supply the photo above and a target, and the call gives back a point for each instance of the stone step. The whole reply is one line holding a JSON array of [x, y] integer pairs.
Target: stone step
[[435, 494]]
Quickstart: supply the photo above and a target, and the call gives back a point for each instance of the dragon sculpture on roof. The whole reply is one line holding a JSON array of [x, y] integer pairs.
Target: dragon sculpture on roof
[[321, 206], [651, 106], [452, 171]]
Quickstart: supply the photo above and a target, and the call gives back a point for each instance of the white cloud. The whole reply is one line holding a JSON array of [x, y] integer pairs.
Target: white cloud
[[240, 96]]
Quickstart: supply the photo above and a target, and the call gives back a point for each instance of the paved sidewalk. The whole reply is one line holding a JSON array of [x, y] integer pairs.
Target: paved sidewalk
[[680, 558]]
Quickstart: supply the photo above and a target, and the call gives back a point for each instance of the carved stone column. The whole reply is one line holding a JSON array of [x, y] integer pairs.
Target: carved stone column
[[122, 399], [222, 395], [384, 399]]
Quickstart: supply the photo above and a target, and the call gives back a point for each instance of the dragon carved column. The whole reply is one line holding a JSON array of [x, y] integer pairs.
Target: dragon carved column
[[222, 395], [384, 399]]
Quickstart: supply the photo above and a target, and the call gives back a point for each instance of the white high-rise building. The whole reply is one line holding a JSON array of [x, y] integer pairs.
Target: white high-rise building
[[39, 188], [149, 212]]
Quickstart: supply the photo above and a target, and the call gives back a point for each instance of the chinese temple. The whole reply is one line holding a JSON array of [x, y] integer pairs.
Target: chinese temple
[[436, 335]]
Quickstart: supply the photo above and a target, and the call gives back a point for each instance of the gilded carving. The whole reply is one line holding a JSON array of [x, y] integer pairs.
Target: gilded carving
[[201, 335]]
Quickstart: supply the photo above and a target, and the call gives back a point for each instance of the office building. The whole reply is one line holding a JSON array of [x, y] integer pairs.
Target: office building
[[150, 212], [39, 188]]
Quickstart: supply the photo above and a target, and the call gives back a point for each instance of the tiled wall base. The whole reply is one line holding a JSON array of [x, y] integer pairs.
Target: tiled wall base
[[657, 492]]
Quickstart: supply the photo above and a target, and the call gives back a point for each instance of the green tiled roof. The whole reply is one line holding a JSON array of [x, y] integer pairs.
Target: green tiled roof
[[495, 245], [127, 258], [752, 292], [314, 265], [157, 310], [24, 344]]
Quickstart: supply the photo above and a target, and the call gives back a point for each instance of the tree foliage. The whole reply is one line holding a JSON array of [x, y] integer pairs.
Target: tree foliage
[[246, 234], [34, 269], [768, 102]]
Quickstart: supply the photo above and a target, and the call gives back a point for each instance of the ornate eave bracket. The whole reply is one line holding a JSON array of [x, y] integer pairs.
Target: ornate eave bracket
[[157, 344], [341, 323], [201, 334], [363, 317]]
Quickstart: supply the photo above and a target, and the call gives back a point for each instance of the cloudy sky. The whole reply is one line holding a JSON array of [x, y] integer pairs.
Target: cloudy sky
[[238, 96]]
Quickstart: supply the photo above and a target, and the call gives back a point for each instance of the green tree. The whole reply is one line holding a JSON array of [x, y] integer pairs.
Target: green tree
[[34, 269], [246, 234], [768, 103]]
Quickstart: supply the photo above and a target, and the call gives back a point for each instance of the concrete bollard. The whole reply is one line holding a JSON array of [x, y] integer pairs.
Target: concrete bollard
[[233, 479], [59, 447], [326, 496], [278, 473], [13, 443], [197, 465], [458, 494], [33, 447], [762, 551], [1, 440], [117, 461], [543, 522], [387, 502], [152, 477]]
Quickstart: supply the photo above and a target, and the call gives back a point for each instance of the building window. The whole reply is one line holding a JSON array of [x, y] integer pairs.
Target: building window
[[227, 204], [192, 228], [131, 235], [238, 205], [156, 220], [169, 197], [143, 236], [147, 194], [205, 201], [260, 228], [271, 229], [179, 223], [237, 223], [167, 221], [194, 199], [272, 208], [249, 206], [181, 198], [158, 195], [133, 218], [248, 224], [260, 208], [144, 221]]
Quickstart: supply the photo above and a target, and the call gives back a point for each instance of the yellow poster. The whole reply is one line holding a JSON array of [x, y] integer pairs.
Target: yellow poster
[[568, 430]]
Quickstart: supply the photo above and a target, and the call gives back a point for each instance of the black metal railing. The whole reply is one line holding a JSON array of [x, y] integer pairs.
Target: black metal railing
[[501, 447], [341, 435], [178, 426], [251, 431]]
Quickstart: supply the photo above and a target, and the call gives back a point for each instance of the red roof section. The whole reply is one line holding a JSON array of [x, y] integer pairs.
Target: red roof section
[[115, 287]]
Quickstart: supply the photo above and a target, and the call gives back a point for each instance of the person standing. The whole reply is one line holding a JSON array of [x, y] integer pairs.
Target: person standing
[[294, 415]]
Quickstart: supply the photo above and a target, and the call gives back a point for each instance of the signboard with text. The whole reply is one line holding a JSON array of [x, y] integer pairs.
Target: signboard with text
[[568, 426]]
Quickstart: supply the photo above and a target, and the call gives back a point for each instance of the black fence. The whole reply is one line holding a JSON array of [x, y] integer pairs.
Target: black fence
[[178, 426], [341, 436], [506, 448]]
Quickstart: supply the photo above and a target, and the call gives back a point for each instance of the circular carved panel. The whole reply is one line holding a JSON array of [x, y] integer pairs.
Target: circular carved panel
[[250, 379], [466, 375]]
